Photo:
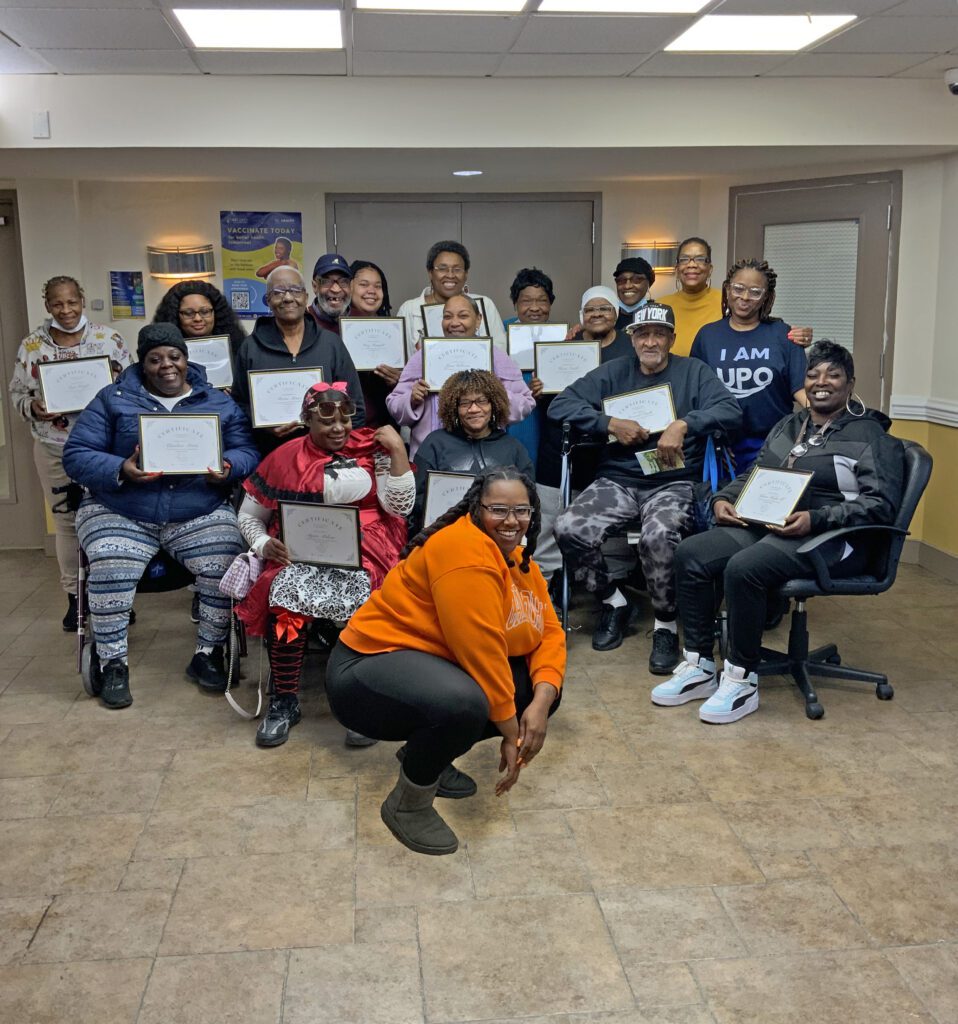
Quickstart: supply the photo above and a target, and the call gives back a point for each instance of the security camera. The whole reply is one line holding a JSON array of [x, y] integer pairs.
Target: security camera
[[951, 80]]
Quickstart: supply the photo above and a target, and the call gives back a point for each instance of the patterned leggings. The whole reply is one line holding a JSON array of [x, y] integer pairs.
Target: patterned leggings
[[119, 549], [604, 509]]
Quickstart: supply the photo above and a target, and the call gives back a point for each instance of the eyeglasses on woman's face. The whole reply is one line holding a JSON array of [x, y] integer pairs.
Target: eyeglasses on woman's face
[[598, 310], [501, 512], [741, 291], [206, 313], [480, 403], [693, 259]]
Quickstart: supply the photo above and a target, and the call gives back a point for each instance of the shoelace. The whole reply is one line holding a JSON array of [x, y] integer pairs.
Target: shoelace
[[728, 687]]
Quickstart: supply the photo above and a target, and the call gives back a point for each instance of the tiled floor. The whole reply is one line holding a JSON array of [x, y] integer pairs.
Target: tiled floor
[[155, 867]]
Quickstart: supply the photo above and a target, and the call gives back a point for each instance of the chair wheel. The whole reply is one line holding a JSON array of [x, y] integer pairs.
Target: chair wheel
[[814, 710], [90, 670], [884, 691], [835, 659]]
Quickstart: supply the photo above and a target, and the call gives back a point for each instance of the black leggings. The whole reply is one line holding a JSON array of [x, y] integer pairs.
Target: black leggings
[[439, 710]]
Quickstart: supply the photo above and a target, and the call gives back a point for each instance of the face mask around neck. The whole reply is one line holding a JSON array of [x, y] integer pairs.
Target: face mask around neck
[[81, 323]]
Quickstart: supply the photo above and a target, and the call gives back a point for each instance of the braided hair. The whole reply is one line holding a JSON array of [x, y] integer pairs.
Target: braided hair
[[225, 321], [750, 263], [470, 505], [55, 282]]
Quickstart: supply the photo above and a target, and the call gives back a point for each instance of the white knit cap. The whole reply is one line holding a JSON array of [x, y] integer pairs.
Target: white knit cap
[[598, 292]]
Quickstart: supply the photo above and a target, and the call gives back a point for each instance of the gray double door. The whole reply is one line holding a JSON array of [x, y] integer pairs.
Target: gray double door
[[502, 233]]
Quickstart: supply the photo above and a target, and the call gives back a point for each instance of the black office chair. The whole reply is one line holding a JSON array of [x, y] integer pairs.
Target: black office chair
[[888, 542]]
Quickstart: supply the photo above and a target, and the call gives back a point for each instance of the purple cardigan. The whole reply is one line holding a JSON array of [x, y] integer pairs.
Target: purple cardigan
[[424, 419]]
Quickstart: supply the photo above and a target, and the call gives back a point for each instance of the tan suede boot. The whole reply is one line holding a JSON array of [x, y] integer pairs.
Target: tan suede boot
[[409, 814]]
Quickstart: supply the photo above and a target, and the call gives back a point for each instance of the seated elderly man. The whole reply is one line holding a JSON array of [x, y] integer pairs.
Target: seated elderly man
[[640, 479]]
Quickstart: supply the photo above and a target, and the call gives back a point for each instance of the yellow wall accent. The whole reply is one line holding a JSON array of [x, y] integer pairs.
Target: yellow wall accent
[[936, 521]]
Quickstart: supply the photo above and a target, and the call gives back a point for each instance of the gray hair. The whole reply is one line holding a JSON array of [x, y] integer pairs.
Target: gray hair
[[277, 270]]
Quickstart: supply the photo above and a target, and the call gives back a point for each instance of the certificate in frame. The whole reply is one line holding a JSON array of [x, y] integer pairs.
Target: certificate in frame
[[272, 391], [651, 408], [549, 367], [432, 318], [442, 357], [523, 338], [770, 495], [325, 535], [180, 445], [215, 356], [443, 490], [69, 385], [365, 336]]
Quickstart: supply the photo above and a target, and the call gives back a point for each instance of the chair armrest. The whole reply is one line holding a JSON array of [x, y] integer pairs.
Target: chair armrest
[[812, 547]]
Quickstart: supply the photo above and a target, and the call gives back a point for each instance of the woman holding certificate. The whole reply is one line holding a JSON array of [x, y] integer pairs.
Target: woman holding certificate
[[332, 465], [52, 409], [414, 401], [830, 466], [159, 452], [461, 644]]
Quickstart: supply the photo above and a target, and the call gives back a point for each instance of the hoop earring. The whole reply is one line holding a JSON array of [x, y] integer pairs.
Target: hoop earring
[[848, 408]]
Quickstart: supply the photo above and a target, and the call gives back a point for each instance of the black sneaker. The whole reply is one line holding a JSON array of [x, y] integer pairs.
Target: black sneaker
[[281, 715], [195, 608], [208, 670], [115, 688], [70, 621], [608, 634], [665, 652], [453, 784]]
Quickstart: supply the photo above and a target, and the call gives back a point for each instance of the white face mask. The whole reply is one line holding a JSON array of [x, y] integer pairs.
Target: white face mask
[[81, 323]]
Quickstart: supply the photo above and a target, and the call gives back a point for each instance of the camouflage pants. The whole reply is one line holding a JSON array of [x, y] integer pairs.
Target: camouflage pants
[[605, 509]]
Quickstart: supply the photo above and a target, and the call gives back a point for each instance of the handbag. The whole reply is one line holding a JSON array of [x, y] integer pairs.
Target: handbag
[[239, 578], [716, 468]]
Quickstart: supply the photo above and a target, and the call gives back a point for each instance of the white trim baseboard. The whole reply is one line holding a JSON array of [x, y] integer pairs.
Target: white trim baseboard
[[942, 563], [925, 408]]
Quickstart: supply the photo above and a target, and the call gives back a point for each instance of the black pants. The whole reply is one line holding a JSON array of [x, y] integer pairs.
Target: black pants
[[439, 710], [747, 563]]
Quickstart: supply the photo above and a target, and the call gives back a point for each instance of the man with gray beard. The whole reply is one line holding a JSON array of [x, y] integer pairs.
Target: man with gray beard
[[332, 280]]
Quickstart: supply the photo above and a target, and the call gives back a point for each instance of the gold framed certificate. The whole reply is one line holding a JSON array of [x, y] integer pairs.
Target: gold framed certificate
[[443, 490], [69, 385], [522, 339], [442, 357], [651, 408], [560, 363], [432, 318], [180, 445], [374, 340], [215, 356], [276, 396], [770, 495], [321, 534]]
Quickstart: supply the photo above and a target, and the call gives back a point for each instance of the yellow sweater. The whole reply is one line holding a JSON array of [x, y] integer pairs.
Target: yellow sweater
[[692, 312]]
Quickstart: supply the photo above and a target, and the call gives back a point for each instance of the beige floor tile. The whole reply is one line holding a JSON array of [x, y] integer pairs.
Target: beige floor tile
[[225, 904], [632, 785], [101, 926], [44, 856], [30, 708], [228, 988], [674, 847], [543, 787], [660, 983], [18, 921], [902, 895], [526, 866], [152, 874], [786, 866], [791, 917], [672, 924], [11, 665], [30, 797], [932, 974], [583, 736], [483, 816], [394, 876], [783, 825], [877, 819], [364, 984], [540, 823], [576, 967], [388, 924], [332, 789], [107, 793], [854, 987], [107, 992]]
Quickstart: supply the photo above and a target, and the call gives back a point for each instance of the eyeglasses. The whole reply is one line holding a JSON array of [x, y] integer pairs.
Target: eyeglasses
[[699, 261], [294, 289], [603, 310], [815, 441], [192, 314], [740, 291], [479, 403], [453, 271], [500, 512], [328, 410]]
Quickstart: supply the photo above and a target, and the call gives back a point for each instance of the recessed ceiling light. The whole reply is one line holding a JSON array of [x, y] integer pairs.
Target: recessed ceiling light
[[622, 6], [444, 6], [757, 33], [466, 174], [262, 29]]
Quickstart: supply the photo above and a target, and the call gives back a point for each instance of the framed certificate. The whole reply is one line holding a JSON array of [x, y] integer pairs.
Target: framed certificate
[[276, 396], [770, 495], [180, 445], [68, 385], [442, 357], [214, 355], [321, 534], [559, 363], [374, 340], [523, 338], [432, 318], [651, 408], [443, 490]]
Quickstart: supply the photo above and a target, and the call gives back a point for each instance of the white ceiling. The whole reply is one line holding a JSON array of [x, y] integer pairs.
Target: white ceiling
[[892, 38]]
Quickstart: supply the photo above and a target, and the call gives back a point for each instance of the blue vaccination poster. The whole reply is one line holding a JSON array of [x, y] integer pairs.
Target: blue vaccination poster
[[127, 301], [253, 244]]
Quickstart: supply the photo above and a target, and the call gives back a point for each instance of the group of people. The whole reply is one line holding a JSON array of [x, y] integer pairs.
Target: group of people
[[447, 634]]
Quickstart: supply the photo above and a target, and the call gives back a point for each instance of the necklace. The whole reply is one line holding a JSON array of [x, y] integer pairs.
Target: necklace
[[816, 440]]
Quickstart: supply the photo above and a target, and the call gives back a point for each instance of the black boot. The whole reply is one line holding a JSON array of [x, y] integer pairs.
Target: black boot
[[453, 784], [208, 670], [610, 630], [70, 619], [283, 713], [115, 689]]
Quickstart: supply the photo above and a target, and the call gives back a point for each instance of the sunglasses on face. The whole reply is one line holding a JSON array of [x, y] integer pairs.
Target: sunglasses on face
[[328, 410]]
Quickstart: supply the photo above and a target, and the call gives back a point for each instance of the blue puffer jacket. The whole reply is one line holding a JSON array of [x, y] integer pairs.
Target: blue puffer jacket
[[107, 431]]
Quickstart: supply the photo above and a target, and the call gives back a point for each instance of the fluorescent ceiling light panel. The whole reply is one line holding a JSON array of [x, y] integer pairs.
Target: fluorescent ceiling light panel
[[443, 6], [757, 33], [622, 6], [273, 29]]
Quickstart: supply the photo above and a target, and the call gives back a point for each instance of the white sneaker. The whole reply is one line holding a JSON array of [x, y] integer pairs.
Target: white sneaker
[[693, 679], [736, 697]]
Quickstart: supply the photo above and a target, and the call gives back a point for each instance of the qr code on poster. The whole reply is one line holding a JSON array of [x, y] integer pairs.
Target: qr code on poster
[[240, 299]]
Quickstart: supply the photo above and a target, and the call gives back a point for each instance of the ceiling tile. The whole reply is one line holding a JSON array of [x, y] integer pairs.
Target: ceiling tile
[[845, 65], [271, 62], [435, 33], [15, 60], [121, 62], [561, 65], [896, 35], [917, 8], [548, 33], [859, 7], [83, 4], [934, 68], [256, 5], [708, 65], [88, 29], [440, 64]]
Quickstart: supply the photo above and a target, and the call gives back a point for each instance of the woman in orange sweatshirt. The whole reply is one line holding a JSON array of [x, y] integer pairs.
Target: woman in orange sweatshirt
[[460, 644]]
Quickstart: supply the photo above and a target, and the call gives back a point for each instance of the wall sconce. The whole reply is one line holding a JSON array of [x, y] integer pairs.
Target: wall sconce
[[180, 262], [661, 255]]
